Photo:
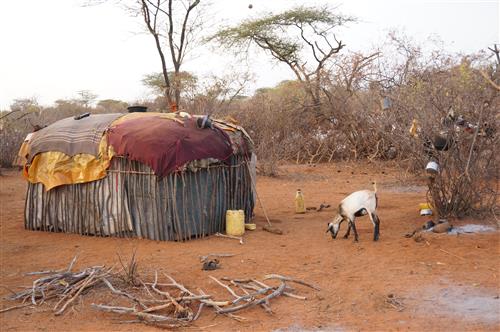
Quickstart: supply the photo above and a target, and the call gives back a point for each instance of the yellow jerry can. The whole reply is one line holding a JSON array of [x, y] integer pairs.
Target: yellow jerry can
[[235, 222]]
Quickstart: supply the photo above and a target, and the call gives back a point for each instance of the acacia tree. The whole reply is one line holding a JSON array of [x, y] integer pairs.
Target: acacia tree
[[183, 81], [302, 38], [173, 25], [85, 98]]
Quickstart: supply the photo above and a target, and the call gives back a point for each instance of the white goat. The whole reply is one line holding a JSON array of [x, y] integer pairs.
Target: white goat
[[357, 204]]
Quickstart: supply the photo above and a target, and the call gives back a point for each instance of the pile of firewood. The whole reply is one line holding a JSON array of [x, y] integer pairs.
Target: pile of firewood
[[63, 285], [166, 304], [171, 304]]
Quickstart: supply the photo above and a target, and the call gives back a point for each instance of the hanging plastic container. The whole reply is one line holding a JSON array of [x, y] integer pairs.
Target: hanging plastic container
[[426, 212], [386, 103], [235, 222], [414, 128], [300, 206], [423, 206], [432, 167]]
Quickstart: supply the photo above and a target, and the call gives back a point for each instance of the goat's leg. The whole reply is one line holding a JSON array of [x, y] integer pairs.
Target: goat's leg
[[348, 231], [376, 231], [353, 226], [375, 221]]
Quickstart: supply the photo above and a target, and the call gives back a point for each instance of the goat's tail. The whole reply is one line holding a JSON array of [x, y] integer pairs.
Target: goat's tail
[[374, 186]]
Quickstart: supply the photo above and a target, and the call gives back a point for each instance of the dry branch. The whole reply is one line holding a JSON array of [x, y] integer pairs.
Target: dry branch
[[119, 292], [230, 237], [298, 297], [63, 284], [15, 307], [298, 281], [147, 317], [85, 284], [277, 292], [204, 258]]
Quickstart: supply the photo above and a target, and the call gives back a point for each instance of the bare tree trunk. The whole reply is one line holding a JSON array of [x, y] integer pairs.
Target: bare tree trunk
[[154, 14]]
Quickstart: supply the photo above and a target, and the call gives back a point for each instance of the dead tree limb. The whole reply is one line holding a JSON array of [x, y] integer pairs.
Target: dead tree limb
[[298, 281]]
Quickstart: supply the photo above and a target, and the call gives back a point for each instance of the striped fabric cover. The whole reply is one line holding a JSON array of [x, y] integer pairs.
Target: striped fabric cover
[[71, 136]]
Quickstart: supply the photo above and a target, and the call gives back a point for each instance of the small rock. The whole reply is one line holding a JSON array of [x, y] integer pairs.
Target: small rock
[[211, 265]]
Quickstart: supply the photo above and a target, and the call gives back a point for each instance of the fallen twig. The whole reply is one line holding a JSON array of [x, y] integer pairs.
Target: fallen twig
[[230, 237], [89, 279], [218, 308], [15, 307], [121, 293], [226, 287], [394, 302], [298, 281], [204, 258], [449, 253], [298, 297], [277, 292], [153, 318]]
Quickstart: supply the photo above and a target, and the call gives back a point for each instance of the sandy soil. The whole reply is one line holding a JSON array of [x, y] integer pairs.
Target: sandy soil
[[445, 283]]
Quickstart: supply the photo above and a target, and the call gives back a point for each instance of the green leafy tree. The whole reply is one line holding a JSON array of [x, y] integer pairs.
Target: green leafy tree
[[85, 98], [112, 105], [302, 38], [183, 81]]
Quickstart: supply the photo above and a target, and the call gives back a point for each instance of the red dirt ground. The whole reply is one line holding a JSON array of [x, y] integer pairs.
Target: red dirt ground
[[446, 283]]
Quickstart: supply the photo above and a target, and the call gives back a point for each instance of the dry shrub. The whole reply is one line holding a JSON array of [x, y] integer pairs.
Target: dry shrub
[[452, 102], [129, 270], [368, 106]]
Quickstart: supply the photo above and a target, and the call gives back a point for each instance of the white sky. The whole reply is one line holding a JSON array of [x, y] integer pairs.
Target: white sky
[[52, 48]]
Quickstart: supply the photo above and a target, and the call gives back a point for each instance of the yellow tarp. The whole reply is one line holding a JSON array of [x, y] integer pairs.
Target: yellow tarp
[[56, 168]]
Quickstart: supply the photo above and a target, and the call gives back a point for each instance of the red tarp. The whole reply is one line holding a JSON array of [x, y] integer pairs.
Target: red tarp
[[165, 144]]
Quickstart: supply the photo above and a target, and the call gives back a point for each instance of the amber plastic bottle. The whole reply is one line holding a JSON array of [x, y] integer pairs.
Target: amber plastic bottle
[[300, 206]]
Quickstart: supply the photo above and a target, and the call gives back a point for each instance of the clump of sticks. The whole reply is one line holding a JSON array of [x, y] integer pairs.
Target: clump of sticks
[[171, 304], [167, 304], [64, 286], [257, 292]]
